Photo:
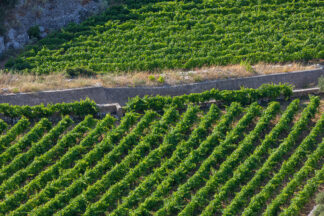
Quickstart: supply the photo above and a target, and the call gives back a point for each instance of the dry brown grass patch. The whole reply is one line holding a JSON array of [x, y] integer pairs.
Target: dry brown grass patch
[[13, 83]]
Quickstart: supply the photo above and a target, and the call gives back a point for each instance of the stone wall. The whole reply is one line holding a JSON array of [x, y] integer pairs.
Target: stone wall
[[102, 95], [49, 15]]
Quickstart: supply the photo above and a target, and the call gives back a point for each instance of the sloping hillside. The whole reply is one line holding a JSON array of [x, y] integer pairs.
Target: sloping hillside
[[155, 35], [174, 157]]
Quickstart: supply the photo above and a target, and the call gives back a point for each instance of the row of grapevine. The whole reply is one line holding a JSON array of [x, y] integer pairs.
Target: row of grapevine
[[241, 198], [208, 160], [170, 141], [247, 145], [79, 108], [13, 133], [254, 161], [179, 198], [92, 175], [63, 163], [304, 196], [298, 179], [32, 136], [90, 159], [3, 126], [289, 167], [243, 96], [146, 187], [22, 170], [191, 161], [22, 160]]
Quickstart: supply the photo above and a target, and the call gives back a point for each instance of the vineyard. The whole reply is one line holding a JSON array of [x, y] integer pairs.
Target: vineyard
[[249, 152], [158, 35]]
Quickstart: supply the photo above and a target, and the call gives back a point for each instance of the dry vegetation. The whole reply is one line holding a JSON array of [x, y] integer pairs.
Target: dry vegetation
[[13, 83]]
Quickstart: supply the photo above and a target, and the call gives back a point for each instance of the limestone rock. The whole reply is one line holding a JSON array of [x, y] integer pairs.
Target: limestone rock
[[48, 15], [22, 38], [11, 34], [41, 28], [2, 45], [13, 45]]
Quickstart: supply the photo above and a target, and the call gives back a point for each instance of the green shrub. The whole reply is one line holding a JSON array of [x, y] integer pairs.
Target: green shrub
[[248, 67], [161, 79], [243, 96], [151, 77], [79, 72], [34, 32], [78, 108], [18, 64], [320, 198], [319, 211], [321, 83]]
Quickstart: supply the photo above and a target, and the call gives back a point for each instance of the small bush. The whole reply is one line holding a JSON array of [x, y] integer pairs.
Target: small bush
[[321, 86], [79, 72], [161, 79], [320, 198], [248, 67], [10, 63], [34, 32], [17, 64], [319, 211], [151, 77]]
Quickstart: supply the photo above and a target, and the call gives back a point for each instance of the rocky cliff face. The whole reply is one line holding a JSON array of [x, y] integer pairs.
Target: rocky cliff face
[[48, 15]]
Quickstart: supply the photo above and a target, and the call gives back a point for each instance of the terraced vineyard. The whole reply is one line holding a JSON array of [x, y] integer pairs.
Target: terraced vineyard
[[190, 158], [163, 34]]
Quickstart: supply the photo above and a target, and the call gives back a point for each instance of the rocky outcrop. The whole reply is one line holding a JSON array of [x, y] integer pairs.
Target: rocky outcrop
[[48, 15], [2, 45]]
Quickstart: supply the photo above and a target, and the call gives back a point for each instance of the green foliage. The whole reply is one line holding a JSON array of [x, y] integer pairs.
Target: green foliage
[[66, 160], [169, 143], [161, 79], [3, 126], [145, 188], [80, 108], [38, 149], [198, 201], [248, 67], [320, 198], [173, 205], [243, 96], [18, 64], [319, 211], [305, 194], [321, 83], [114, 174], [254, 161], [151, 78], [34, 32], [196, 156], [33, 135], [164, 34], [241, 198], [289, 168], [13, 133], [79, 72], [186, 161], [94, 155]]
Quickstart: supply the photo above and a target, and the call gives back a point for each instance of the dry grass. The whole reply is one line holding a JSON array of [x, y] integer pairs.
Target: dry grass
[[13, 83]]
